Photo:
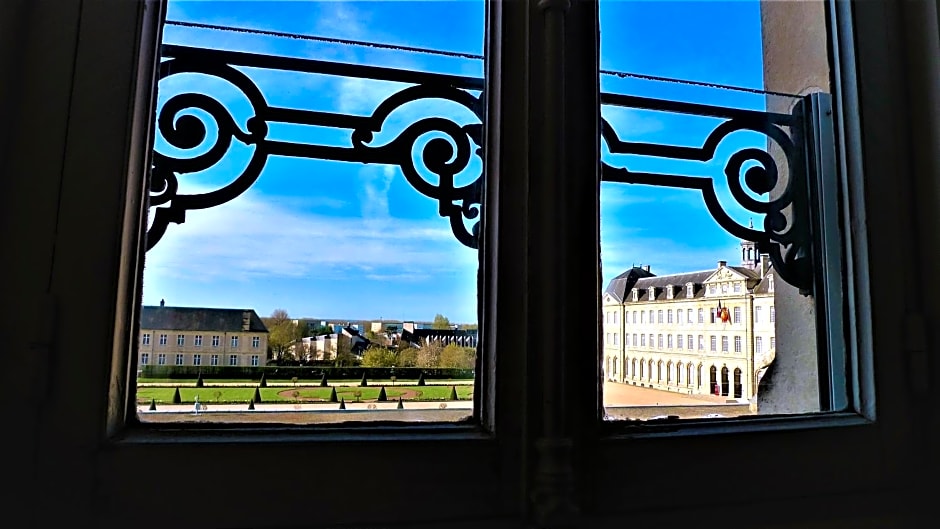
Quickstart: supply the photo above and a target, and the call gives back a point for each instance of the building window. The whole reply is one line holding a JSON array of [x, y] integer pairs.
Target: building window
[[162, 339], [773, 343], [737, 287], [642, 317], [737, 344], [643, 340], [180, 340], [669, 341], [758, 345], [724, 288], [689, 342], [255, 342], [689, 290], [770, 284], [636, 295], [712, 289], [215, 341], [161, 359], [616, 317], [689, 316], [607, 339], [179, 359], [234, 341], [773, 314], [701, 315], [724, 344], [197, 359], [214, 360], [669, 316], [701, 342], [652, 293], [626, 340], [659, 316], [714, 343], [144, 358], [659, 341], [634, 316], [233, 360], [652, 341], [737, 315], [757, 311], [197, 340], [679, 342], [616, 339], [145, 340], [607, 317], [651, 316], [254, 360]]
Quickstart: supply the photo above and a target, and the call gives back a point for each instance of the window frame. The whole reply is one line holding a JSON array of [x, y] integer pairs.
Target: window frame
[[105, 45]]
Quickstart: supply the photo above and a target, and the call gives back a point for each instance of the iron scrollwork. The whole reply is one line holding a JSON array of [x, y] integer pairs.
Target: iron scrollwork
[[786, 233], [445, 156]]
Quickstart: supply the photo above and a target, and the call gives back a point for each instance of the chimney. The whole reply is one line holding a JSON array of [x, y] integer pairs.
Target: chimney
[[764, 264], [646, 268], [162, 302], [722, 263]]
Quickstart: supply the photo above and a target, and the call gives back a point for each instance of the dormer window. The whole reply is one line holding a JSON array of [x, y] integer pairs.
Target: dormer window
[[669, 291], [636, 294], [652, 296], [689, 290], [770, 284]]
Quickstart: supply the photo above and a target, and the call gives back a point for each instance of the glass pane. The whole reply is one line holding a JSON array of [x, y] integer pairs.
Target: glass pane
[[314, 205], [714, 170]]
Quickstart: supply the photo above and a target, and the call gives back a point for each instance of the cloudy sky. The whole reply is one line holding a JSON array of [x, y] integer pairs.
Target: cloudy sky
[[347, 240]]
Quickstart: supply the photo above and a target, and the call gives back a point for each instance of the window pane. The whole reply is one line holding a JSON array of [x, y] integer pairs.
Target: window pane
[[315, 203], [714, 149]]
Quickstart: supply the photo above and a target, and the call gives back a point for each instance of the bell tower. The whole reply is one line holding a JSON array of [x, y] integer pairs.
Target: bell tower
[[749, 257]]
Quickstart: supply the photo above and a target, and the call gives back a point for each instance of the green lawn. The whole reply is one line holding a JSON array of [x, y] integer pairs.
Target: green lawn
[[300, 382], [231, 394]]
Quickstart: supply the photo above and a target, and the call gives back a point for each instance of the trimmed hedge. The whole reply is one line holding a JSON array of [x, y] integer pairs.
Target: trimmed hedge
[[302, 373]]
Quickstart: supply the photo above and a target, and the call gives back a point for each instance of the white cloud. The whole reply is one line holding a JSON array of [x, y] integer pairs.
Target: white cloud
[[255, 237]]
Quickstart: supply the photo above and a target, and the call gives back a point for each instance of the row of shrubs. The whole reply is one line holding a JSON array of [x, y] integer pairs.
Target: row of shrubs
[[302, 373]]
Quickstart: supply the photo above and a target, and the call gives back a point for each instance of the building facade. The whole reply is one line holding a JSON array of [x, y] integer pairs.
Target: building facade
[[706, 332], [191, 336]]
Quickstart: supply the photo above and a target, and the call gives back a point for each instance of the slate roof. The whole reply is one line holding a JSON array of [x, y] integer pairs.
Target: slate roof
[[678, 280], [622, 284], [199, 319], [764, 286]]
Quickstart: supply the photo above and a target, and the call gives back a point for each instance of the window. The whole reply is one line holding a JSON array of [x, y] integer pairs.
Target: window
[[234, 341], [689, 292], [659, 316], [737, 315], [654, 455], [145, 339], [701, 343], [659, 341], [161, 359], [254, 360], [689, 342], [233, 360], [737, 344], [215, 341], [689, 316], [607, 316], [626, 340], [643, 340], [642, 317], [724, 344], [179, 359], [162, 339], [758, 345], [773, 314], [651, 316], [652, 341], [616, 317], [679, 341], [669, 316], [180, 340], [616, 339], [701, 315], [144, 358], [773, 343], [197, 340], [255, 342], [608, 340], [737, 287], [724, 288], [634, 316], [669, 341], [757, 311], [714, 343], [214, 360], [197, 359]]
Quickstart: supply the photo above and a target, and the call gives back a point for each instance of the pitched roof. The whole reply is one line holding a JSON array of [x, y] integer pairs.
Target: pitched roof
[[200, 319], [764, 286], [620, 285]]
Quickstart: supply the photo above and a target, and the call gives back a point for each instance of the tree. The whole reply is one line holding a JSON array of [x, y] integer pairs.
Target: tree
[[429, 355], [323, 381], [344, 354], [379, 357], [383, 397], [199, 382], [407, 357], [283, 334], [454, 356], [264, 381], [421, 379], [176, 397], [453, 393], [257, 395], [333, 395], [440, 322], [363, 382]]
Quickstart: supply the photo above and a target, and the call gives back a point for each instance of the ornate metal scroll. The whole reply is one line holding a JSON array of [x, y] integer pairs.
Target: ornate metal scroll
[[446, 155], [786, 235]]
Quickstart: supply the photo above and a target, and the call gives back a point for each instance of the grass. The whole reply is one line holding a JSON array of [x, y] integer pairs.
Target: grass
[[234, 395], [181, 382]]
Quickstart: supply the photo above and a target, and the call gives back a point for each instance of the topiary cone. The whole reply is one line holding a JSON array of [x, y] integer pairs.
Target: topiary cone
[[363, 382], [342, 403], [199, 383], [251, 404], [323, 382], [401, 405], [153, 405], [176, 397], [453, 393], [257, 395], [382, 397], [264, 381], [421, 379], [333, 395]]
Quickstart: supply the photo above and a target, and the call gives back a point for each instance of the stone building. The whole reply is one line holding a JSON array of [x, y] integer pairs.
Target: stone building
[[192, 336], [705, 332]]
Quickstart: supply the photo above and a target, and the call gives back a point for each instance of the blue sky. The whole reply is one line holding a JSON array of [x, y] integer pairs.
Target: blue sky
[[346, 240]]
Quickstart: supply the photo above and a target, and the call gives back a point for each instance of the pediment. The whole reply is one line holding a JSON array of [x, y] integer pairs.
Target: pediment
[[725, 274]]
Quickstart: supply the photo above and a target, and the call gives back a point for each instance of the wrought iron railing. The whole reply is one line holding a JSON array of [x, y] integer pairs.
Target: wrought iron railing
[[785, 234]]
